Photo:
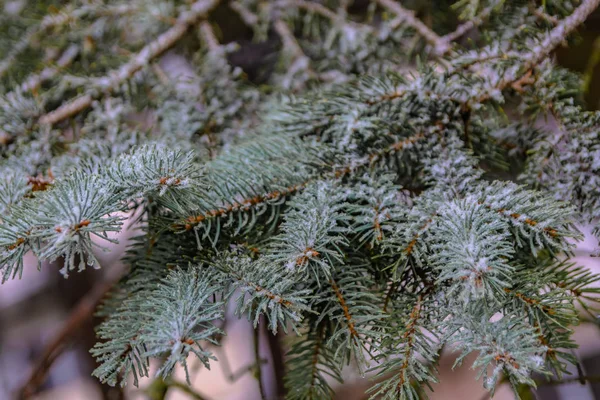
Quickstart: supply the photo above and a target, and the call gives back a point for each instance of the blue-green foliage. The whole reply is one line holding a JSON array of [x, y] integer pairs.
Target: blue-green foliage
[[360, 200]]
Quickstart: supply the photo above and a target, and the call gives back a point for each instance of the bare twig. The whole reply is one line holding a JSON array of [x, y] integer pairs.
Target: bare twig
[[560, 32], [137, 62], [258, 375], [80, 314]]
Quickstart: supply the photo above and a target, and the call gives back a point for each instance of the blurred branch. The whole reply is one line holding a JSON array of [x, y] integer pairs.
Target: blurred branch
[[552, 382], [152, 50], [591, 66], [208, 35], [467, 26], [258, 373], [440, 45], [80, 314], [159, 387], [186, 389], [33, 82]]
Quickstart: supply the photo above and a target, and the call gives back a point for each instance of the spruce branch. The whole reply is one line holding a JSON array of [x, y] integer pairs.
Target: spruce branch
[[67, 15], [33, 82], [310, 363], [208, 35], [411, 350], [338, 195], [472, 23], [116, 77], [440, 45]]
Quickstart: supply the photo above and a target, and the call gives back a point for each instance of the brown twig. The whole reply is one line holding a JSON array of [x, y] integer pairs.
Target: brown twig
[[80, 314], [409, 334], [345, 309], [116, 77]]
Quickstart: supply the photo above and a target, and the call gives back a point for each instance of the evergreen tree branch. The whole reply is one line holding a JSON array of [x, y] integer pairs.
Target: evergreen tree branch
[[208, 35], [440, 44], [539, 53], [313, 7], [33, 82], [116, 77], [63, 17], [471, 23]]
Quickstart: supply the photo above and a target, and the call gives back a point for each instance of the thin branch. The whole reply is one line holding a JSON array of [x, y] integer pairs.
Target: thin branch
[[439, 44], [208, 35], [313, 7], [258, 373], [277, 356], [116, 77], [467, 26], [80, 314], [409, 334], [552, 40], [345, 309], [289, 41], [186, 389], [337, 173], [33, 82], [247, 16], [539, 12]]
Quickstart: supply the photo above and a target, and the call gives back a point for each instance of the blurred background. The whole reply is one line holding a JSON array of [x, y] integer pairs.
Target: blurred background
[[33, 310]]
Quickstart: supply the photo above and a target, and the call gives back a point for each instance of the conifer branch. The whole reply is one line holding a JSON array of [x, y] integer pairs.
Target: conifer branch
[[313, 7], [350, 201], [33, 82], [59, 19], [470, 24], [337, 173], [345, 309], [116, 77], [440, 44], [549, 43], [409, 335], [249, 18], [208, 35]]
